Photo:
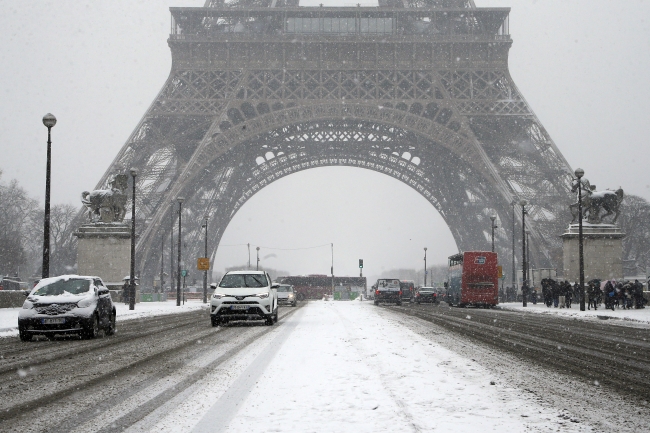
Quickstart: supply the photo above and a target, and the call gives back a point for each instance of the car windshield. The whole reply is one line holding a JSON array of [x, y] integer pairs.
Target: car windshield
[[285, 289], [231, 281], [73, 286]]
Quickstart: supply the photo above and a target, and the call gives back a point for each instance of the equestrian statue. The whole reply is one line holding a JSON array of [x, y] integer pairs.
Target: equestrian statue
[[107, 205], [595, 202]]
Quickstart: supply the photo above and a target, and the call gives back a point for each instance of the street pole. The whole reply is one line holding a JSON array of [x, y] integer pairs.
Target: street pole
[[514, 269], [134, 173], [579, 173], [493, 218], [171, 250], [162, 264], [49, 121], [205, 273], [524, 270], [249, 256], [332, 269], [257, 266], [178, 261], [425, 266], [528, 268]]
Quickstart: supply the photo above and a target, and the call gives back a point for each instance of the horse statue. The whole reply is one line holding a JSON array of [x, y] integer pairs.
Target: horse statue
[[107, 205], [594, 202]]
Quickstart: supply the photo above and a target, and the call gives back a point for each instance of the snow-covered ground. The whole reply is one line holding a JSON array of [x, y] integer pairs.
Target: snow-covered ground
[[9, 316], [351, 367], [641, 316]]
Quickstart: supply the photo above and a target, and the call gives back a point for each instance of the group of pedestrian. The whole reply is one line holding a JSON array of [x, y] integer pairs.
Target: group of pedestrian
[[625, 294], [558, 293]]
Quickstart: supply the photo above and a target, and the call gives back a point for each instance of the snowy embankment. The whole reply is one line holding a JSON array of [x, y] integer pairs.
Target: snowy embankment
[[9, 316], [351, 367], [641, 316]]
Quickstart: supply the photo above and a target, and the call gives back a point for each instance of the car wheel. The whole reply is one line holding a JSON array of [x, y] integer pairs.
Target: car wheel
[[214, 320], [269, 321], [92, 328], [110, 330], [399, 304], [376, 302], [24, 335], [294, 304]]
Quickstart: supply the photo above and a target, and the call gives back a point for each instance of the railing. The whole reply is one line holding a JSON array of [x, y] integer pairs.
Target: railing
[[335, 37]]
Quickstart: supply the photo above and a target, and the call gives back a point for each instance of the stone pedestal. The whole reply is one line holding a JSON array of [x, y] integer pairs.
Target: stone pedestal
[[104, 250], [602, 251]]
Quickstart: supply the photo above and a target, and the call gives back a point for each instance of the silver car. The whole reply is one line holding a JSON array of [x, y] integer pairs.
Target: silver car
[[286, 295]]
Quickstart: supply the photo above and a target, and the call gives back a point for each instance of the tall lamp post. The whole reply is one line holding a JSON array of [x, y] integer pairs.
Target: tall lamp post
[[49, 121], [528, 268], [178, 261], [162, 263], [205, 273], [171, 250], [494, 226], [425, 266], [579, 173], [332, 269], [524, 269], [257, 266], [514, 269], [134, 173]]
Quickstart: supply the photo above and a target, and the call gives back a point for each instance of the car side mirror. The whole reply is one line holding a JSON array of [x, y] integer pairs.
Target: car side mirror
[[26, 293], [103, 292], [275, 286]]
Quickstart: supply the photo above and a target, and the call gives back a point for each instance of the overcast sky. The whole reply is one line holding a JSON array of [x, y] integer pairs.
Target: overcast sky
[[582, 66]]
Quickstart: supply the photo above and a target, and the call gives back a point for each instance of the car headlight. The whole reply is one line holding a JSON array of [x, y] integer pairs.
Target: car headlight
[[217, 296], [291, 295], [85, 303], [262, 295], [28, 305]]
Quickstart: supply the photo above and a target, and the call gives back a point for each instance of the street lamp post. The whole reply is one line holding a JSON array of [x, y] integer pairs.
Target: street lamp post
[[493, 218], [332, 269], [579, 173], [205, 273], [249, 256], [162, 263], [514, 269], [425, 266], [134, 173], [49, 121], [171, 250], [528, 268], [524, 269], [257, 266], [178, 261]]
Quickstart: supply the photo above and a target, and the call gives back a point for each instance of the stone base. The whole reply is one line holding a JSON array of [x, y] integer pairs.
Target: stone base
[[602, 252], [104, 250]]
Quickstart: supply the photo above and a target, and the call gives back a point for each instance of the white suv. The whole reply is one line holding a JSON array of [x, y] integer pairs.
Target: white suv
[[244, 295]]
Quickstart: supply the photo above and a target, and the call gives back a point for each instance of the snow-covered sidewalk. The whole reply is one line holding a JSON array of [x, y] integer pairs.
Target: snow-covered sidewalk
[[641, 316], [353, 367], [9, 316]]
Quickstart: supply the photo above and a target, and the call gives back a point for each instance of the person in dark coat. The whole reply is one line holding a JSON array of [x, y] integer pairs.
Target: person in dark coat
[[639, 300], [555, 292], [568, 293], [610, 294]]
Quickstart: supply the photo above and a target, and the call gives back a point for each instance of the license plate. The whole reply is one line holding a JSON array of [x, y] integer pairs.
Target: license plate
[[53, 321], [239, 307]]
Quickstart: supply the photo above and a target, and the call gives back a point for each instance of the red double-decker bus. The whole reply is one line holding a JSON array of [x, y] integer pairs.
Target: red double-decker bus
[[473, 279]]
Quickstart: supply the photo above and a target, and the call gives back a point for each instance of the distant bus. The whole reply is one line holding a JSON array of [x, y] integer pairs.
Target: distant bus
[[316, 286], [473, 279]]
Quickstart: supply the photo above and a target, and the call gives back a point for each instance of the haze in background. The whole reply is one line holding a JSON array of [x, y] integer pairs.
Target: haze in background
[[97, 66]]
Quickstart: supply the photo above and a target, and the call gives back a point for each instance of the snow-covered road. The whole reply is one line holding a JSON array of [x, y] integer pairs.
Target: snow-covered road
[[350, 366]]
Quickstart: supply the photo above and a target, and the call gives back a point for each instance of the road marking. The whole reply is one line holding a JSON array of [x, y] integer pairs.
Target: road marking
[[220, 415]]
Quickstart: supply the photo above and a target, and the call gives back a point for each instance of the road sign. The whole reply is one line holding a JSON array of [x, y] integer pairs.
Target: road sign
[[183, 272], [361, 263], [500, 271], [203, 264]]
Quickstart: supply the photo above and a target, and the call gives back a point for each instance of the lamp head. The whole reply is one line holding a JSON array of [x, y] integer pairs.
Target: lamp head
[[425, 248], [258, 248], [523, 202], [493, 217], [180, 200], [579, 173], [133, 172], [49, 120]]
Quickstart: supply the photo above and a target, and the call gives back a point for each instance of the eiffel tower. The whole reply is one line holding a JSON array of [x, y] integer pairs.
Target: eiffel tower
[[416, 89]]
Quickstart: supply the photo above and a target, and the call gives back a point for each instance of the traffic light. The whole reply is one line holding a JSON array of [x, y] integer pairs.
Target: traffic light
[[361, 263]]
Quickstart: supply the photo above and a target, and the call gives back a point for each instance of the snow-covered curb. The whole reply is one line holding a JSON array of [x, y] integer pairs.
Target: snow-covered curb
[[641, 316], [9, 316]]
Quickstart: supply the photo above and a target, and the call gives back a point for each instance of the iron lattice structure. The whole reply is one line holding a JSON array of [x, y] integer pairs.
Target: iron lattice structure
[[417, 90]]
